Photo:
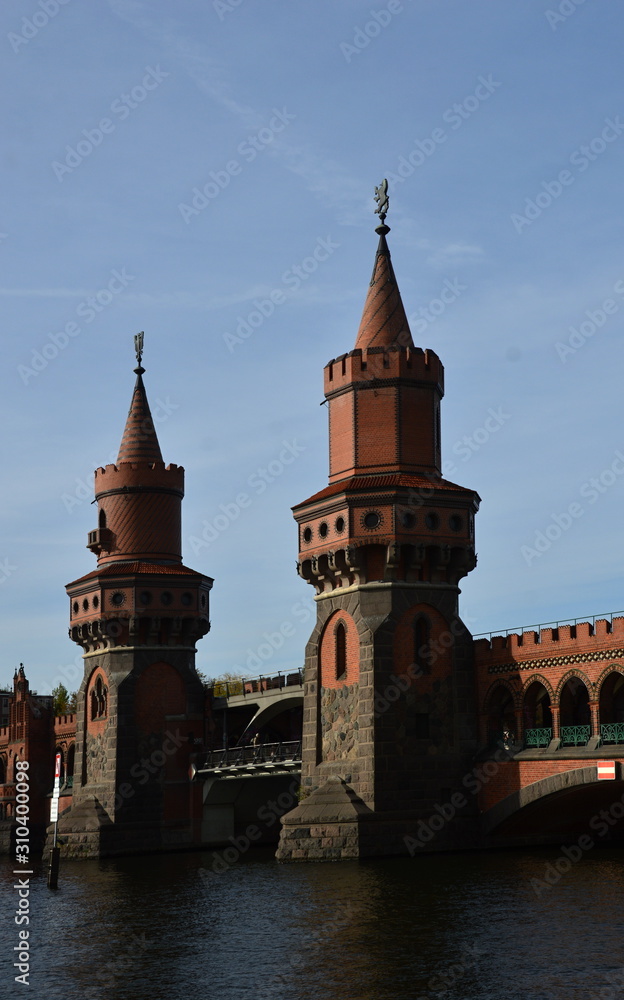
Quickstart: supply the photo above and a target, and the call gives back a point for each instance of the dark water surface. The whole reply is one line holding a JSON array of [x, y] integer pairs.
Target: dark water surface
[[461, 926]]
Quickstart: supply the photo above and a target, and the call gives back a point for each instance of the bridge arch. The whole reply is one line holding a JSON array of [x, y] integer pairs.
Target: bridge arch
[[267, 712], [537, 791]]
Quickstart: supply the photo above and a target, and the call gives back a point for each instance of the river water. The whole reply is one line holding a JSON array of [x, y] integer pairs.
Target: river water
[[473, 926]]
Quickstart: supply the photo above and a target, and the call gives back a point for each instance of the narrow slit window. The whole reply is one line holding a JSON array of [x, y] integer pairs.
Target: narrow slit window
[[422, 645], [341, 651]]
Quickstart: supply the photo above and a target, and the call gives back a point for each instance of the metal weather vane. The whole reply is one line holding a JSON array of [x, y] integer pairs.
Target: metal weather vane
[[381, 197], [138, 346]]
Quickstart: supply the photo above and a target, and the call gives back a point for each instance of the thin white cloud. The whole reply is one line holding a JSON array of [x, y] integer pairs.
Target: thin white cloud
[[46, 293], [456, 253]]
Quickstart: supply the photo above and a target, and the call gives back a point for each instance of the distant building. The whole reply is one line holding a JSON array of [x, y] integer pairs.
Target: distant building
[[31, 734], [5, 707]]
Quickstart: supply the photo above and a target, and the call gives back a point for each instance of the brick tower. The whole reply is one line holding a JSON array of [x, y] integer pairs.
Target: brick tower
[[138, 617], [389, 714]]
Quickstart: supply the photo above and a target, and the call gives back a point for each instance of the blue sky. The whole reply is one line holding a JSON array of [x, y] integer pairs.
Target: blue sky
[[181, 165]]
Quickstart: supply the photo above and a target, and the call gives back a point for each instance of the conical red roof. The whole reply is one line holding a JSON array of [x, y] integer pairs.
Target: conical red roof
[[139, 442], [383, 323]]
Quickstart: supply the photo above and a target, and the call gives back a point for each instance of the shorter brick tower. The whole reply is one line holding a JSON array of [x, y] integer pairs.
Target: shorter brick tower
[[389, 713], [137, 617], [28, 737]]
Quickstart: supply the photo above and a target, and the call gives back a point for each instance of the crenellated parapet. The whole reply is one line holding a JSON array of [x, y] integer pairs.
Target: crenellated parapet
[[559, 645], [385, 364], [139, 475]]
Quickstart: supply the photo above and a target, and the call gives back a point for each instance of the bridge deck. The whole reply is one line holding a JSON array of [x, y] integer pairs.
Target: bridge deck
[[266, 759]]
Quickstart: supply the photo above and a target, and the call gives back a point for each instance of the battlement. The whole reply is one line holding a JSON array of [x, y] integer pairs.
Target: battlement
[[580, 637], [382, 363], [64, 720], [128, 474]]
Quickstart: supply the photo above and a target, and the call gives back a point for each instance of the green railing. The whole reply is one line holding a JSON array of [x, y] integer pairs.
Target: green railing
[[537, 737], [575, 735], [612, 732]]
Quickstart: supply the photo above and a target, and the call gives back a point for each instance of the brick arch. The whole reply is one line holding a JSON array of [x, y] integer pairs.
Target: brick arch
[[442, 640], [613, 668], [541, 680], [494, 687], [327, 651], [567, 677], [532, 793]]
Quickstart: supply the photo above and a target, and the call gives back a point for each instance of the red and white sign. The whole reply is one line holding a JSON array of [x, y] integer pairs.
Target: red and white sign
[[606, 770], [57, 788]]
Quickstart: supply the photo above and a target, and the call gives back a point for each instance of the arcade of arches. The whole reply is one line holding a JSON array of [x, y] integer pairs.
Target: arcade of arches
[[573, 714]]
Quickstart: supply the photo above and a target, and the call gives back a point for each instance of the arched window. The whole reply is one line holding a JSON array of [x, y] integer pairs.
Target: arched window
[[422, 645], [99, 700], [102, 521], [341, 651]]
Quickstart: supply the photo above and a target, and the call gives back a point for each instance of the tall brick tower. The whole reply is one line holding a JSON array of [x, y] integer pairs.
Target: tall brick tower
[[389, 714], [138, 617]]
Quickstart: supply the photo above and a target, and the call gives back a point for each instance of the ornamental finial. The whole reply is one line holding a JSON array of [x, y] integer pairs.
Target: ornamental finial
[[381, 197], [138, 347]]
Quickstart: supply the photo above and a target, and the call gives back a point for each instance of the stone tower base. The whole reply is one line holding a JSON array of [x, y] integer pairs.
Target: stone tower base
[[333, 824], [325, 826], [86, 831]]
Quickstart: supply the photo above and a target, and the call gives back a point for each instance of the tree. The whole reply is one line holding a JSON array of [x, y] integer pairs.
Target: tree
[[64, 702]]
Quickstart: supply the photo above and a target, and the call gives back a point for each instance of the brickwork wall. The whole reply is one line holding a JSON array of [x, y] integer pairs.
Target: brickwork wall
[[377, 428], [587, 652]]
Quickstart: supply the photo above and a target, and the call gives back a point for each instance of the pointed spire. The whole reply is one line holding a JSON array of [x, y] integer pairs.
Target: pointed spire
[[139, 442], [383, 323]]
